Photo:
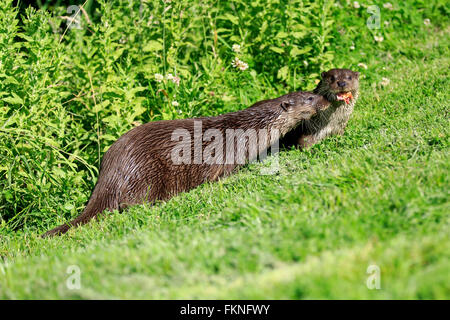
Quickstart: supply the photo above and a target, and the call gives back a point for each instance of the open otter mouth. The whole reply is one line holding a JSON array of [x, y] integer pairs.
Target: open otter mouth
[[344, 96]]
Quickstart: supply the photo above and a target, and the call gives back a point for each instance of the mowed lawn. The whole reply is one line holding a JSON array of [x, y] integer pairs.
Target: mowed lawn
[[377, 196]]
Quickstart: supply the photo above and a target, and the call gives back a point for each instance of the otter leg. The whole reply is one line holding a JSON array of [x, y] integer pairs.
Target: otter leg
[[305, 141]]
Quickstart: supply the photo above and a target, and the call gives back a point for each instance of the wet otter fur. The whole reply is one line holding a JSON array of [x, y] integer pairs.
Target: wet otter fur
[[334, 84], [139, 166]]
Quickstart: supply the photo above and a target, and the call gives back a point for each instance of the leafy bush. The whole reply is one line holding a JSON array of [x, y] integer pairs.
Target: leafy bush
[[66, 94]]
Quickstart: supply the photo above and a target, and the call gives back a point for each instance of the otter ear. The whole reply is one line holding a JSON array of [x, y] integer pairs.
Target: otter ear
[[324, 74], [285, 105], [356, 74]]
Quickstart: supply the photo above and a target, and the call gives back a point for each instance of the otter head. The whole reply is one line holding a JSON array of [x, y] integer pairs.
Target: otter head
[[339, 85], [303, 104], [298, 106]]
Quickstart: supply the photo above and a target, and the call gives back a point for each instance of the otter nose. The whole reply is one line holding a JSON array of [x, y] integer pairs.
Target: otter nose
[[342, 84]]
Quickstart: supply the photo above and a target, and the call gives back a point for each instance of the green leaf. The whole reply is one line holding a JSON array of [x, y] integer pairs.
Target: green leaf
[[152, 45], [15, 99], [264, 26], [101, 106], [10, 80], [69, 206], [296, 51], [232, 18], [299, 34], [276, 49], [283, 73], [282, 35], [118, 53]]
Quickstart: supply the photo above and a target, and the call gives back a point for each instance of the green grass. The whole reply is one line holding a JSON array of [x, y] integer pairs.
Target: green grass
[[65, 97], [376, 196]]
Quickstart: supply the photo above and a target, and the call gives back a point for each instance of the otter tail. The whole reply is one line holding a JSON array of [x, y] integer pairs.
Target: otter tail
[[95, 206]]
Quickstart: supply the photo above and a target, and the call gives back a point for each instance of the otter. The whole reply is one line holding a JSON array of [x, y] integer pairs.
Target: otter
[[341, 88], [158, 160]]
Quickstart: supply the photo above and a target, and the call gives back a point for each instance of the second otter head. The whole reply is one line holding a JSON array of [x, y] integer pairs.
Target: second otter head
[[303, 105], [297, 107], [339, 85]]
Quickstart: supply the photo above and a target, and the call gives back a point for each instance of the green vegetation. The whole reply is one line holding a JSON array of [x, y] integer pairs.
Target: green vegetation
[[377, 195]]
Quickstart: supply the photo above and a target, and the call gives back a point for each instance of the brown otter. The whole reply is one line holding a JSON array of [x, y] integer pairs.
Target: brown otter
[[340, 87], [151, 162]]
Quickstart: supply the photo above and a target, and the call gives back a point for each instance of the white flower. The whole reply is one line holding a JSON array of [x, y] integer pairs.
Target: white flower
[[387, 5], [241, 65], [175, 103], [305, 63], [176, 80], [356, 4], [362, 65], [159, 77], [169, 76], [236, 48], [352, 47], [427, 22], [386, 23], [378, 38], [385, 81]]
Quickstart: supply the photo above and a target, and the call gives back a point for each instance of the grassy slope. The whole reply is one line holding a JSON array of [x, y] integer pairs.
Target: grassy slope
[[377, 195]]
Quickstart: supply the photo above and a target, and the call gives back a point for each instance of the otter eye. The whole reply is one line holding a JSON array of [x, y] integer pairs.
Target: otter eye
[[310, 99], [332, 78], [349, 78]]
